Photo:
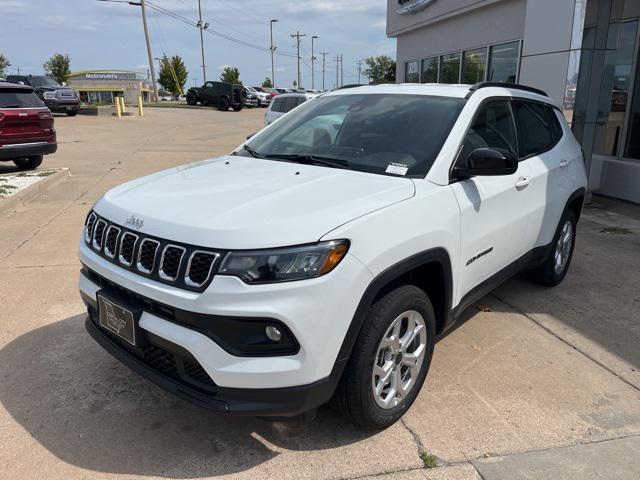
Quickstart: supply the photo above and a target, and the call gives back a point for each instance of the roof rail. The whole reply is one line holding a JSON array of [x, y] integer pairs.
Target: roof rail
[[480, 85], [351, 85]]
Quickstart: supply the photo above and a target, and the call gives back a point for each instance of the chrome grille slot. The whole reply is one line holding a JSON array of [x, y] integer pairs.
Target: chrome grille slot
[[147, 255], [98, 235], [170, 262], [88, 229], [111, 241], [200, 267], [127, 247]]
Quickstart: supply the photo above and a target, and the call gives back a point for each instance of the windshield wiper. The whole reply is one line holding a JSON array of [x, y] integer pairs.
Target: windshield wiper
[[251, 151], [10, 106], [311, 160]]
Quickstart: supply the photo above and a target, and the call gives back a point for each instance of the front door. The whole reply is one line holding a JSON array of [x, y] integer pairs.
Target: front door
[[493, 213]]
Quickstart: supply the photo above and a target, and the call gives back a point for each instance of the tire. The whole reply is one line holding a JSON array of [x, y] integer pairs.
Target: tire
[[30, 163], [355, 397], [237, 108], [554, 268], [223, 104], [192, 98], [72, 113]]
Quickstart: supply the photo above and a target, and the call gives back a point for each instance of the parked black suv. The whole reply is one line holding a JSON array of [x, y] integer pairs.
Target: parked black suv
[[58, 98], [218, 94]]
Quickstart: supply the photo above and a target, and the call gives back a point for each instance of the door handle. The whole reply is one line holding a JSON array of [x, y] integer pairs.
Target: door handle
[[523, 182], [564, 162]]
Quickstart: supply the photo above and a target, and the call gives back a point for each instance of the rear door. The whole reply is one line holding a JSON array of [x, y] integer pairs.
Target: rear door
[[539, 143], [24, 118], [492, 222]]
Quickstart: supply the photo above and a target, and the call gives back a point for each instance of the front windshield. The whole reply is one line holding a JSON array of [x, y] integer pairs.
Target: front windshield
[[43, 82], [393, 134]]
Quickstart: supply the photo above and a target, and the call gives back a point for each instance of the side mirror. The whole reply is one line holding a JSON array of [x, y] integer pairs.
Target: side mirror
[[489, 162], [251, 135]]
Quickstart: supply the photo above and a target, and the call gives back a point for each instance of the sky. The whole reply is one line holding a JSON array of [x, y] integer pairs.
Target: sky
[[102, 35]]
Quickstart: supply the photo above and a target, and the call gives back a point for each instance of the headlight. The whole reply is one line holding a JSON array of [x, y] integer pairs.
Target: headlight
[[50, 95], [285, 264]]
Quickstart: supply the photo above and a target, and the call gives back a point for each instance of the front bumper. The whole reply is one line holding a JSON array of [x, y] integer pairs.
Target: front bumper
[[174, 369], [270, 385], [62, 105], [25, 150]]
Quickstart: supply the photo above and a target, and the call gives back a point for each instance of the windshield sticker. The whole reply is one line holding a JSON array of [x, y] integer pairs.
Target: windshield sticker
[[397, 169]]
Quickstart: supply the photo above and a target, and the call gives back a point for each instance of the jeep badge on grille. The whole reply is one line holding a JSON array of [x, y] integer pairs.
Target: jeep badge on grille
[[134, 222]]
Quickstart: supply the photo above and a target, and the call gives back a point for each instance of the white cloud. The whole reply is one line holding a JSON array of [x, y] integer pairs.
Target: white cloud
[[335, 6], [380, 24]]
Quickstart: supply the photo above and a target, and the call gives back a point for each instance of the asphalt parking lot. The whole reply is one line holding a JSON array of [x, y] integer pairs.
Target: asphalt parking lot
[[536, 383]]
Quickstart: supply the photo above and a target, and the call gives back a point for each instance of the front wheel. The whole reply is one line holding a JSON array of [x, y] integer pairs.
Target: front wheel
[[237, 108], [30, 163], [555, 266], [72, 113], [390, 359]]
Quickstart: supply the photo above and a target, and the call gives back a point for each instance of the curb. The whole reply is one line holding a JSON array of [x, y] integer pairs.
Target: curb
[[32, 192]]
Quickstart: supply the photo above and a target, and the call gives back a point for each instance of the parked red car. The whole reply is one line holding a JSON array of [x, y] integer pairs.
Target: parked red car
[[26, 127]]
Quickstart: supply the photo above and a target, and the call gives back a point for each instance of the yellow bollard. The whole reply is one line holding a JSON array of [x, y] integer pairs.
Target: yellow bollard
[[140, 110], [118, 111], [124, 107]]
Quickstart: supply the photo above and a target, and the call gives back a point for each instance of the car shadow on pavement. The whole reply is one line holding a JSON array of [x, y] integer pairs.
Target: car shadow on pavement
[[92, 412], [8, 167]]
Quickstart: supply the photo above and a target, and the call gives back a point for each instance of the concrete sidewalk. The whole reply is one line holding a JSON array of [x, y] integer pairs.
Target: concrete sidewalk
[[537, 383]]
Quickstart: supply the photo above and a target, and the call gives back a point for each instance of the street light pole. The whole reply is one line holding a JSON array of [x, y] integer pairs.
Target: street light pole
[[202, 27], [273, 51], [151, 65], [297, 36], [313, 63], [324, 61]]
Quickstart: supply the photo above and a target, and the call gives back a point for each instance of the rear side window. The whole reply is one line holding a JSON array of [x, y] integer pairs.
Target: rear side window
[[289, 104], [10, 98], [276, 106], [556, 128], [536, 129], [493, 127]]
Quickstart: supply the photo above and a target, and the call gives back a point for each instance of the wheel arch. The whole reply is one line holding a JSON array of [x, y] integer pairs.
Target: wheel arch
[[429, 270], [576, 202]]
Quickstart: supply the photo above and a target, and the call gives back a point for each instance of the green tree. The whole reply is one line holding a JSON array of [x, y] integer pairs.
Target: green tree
[[4, 65], [173, 75], [57, 67], [380, 69], [267, 83], [295, 84], [231, 75]]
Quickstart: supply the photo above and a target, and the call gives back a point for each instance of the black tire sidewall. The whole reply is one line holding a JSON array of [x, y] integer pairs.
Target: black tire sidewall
[[383, 312], [223, 104], [29, 163]]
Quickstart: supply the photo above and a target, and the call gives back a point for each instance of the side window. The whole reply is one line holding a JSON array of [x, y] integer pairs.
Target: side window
[[555, 124], [492, 127], [289, 104], [535, 132], [276, 106]]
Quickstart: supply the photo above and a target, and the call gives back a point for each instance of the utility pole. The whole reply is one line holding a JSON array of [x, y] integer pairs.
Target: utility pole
[[313, 62], [297, 36], [337, 71], [324, 62], [341, 69], [273, 51], [202, 27], [151, 65], [359, 70]]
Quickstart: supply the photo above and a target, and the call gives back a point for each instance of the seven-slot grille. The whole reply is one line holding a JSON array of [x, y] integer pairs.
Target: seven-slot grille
[[184, 266]]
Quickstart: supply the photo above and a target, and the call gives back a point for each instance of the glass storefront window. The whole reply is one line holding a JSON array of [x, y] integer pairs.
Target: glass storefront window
[[450, 68], [412, 72], [430, 70], [616, 83], [503, 62], [474, 65]]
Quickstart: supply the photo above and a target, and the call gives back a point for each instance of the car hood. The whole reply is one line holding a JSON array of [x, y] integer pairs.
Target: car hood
[[236, 202]]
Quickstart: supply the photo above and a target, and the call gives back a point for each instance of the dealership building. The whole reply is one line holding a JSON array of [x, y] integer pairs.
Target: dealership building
[[583, 53], [101, 86]]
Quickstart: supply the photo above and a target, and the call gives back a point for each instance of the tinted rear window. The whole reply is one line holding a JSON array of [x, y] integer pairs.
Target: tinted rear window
[[535, 129], [276, 106], [19, 99], [289, 104]]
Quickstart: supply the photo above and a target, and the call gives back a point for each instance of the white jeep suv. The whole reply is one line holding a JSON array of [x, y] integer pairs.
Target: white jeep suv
[[324, 258]]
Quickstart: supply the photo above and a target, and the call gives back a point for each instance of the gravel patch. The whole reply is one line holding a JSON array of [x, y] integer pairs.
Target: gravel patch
[[12, 183]]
